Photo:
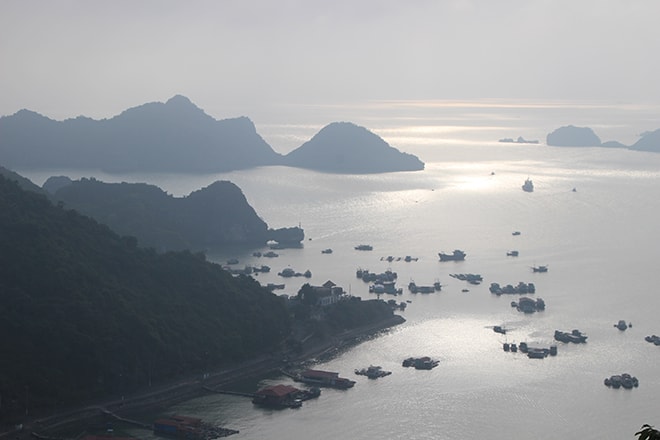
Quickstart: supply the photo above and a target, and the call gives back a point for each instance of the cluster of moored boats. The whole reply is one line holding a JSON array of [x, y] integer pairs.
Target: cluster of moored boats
[[456, 255], [472, 278], [407, 258], [372, 372], [653, 339], [420, 363], [288, 273], [384, 282], [624, 380], [520, 288], [529, 305], [531, 352], [575, 336], [414, 288], [269, 254]]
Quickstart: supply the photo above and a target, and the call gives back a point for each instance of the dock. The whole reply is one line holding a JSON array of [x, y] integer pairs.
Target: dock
[[231, 393]]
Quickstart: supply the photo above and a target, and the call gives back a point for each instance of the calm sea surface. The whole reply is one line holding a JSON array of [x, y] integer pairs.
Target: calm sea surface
[[600, 242]]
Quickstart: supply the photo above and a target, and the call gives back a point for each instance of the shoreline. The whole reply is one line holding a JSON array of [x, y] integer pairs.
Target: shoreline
[[129, 407]]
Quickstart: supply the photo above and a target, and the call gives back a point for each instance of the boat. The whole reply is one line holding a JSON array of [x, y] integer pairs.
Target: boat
[[414, 288], [499, 329], [385, 287], [364, 247], [324, 378], [284, 396], [537, 353], [472, 278], [621, 325], [373, 372], [457, 255], [520, 288], [653, 339], [575, 336], [512, 254], [287, 272], [528, 186], [190, 428], [528, 305], [326, 251], [422, 363], [520, 140], [624, 380]]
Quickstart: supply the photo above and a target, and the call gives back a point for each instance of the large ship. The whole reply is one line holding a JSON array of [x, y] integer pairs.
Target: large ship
[[457, 255], [528, 186], [324, 378]]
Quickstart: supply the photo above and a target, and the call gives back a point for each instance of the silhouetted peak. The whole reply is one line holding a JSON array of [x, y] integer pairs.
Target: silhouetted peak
[[26, 114], [180, 101], [346, 135]]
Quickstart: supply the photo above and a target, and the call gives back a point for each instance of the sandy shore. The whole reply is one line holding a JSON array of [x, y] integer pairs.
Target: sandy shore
[[164, 396]]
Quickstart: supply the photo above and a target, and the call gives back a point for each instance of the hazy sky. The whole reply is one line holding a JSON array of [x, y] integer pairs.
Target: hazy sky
[[63, 58]]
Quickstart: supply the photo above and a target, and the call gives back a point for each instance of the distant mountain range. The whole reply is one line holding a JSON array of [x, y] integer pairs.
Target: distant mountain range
[[571, 136], [178, 136]]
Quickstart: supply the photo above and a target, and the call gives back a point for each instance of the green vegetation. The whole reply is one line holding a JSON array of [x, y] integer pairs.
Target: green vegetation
[[648, 433], [213, 216], [86, 313], [347, 314]]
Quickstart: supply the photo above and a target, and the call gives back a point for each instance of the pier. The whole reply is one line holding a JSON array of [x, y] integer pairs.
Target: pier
[[231, 393]]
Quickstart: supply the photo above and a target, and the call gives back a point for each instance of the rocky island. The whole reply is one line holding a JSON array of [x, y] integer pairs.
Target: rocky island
[[649, 141], [571, 136], [343, 147]]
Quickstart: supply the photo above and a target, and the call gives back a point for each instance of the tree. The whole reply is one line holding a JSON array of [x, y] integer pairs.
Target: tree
[[648, 433], [308, 295]]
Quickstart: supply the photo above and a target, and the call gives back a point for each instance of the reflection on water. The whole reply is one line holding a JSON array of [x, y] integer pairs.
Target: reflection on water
[[600, 244]]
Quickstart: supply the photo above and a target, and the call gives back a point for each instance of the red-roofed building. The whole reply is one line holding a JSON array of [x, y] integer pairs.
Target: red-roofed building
[[278, 396]]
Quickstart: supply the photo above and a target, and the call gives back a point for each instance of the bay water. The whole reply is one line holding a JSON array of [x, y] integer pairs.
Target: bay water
[[600, 243]]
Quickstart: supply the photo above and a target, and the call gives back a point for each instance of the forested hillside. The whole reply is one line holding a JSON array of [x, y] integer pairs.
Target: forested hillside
[[85, 312], [213, 216]]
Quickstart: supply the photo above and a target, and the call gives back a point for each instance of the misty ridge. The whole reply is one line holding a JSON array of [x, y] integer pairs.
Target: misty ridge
[[178, 136], [214, 216], [572, 136]]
